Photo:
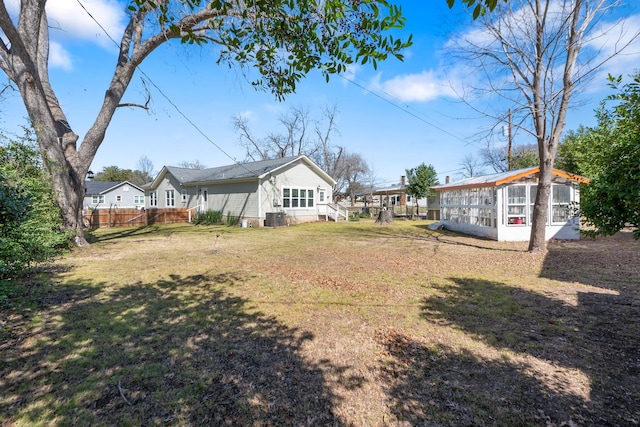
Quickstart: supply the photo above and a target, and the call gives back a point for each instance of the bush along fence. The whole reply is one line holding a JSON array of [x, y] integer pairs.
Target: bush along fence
[[133, 217]]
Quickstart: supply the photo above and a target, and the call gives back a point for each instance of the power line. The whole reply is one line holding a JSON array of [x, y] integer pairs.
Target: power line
[[394, 101], [166, 97], [388, 98]]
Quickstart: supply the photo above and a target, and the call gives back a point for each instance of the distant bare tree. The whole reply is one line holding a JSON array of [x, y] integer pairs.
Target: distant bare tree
[[522, 156], [356, 169], [294, 141], [471, 166], [144, 172], [307, 136], [194, 164], [369, 183]]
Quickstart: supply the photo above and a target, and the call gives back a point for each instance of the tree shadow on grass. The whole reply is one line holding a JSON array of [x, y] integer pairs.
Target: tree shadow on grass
[[437, 386], [182, 351], [582, 338]]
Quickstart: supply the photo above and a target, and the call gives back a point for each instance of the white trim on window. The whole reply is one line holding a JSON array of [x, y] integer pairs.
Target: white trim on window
[[170, 198], [560, 202], [298, 198]]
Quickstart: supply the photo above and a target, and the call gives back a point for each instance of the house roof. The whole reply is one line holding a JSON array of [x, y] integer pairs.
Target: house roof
[[391, 189], [236, 171], [102, 187], [497, 179]]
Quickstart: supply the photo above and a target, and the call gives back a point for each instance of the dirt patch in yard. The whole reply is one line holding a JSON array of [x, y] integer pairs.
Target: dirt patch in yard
[[326, 324]]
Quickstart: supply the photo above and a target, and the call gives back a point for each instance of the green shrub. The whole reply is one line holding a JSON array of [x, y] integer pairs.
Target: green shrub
[[30, 222], [208, 218], [232, 220]]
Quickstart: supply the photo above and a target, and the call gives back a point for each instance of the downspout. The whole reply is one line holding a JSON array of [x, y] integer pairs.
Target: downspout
[[260, 183]]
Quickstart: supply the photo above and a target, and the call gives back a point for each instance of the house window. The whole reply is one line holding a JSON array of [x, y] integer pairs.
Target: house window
[[517, 204], [97, 199], [321, 196], [138, 200], [310, 198], [153, 198], [184, 196], [560, 200], [170, 198], [297, 198], [119, 198]]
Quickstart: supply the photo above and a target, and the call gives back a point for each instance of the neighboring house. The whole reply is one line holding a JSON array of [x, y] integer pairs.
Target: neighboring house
[[106, 195], [396, 195], [258, 192], [500, 206]]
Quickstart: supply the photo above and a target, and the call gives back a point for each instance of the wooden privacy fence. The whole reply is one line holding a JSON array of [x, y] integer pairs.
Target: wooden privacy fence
[[133, 217]]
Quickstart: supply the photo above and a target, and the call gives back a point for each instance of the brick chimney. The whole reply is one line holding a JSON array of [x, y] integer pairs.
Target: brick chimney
[[447, 179], [403, 195]]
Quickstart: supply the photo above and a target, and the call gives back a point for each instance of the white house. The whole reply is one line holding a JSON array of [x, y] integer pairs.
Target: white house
[[113, 195], [261, 193], [500, 206]]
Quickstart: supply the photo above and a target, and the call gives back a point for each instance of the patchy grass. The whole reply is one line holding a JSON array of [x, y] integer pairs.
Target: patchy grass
[[324, 324]]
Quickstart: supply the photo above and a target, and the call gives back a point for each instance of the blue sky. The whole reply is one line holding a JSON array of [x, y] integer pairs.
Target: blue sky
[[396, 117]]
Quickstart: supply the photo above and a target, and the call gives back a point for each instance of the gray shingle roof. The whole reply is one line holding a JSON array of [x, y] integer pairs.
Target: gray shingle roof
[[99, 187], [235, 171]]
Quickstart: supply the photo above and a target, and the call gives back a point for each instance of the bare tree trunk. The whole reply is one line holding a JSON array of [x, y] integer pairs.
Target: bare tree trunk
[[538, 241]]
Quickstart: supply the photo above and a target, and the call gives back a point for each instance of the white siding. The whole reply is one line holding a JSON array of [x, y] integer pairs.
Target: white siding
[[238, 199], [122, 197], [297, 176]]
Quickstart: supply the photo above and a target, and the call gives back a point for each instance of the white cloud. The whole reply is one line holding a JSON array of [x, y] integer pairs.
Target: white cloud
[[59, 57], [423, 87], [70, 21], [608, 39], [247, 114]]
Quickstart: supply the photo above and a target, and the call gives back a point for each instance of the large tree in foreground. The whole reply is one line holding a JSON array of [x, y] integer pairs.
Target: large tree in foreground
[[282, 39], [527, 52]]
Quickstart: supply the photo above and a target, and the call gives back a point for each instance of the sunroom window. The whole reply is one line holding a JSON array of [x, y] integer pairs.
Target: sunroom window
[[560, 200], [517, 204]]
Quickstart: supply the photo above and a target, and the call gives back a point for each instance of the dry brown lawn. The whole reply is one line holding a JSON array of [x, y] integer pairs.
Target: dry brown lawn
[[349, 324]]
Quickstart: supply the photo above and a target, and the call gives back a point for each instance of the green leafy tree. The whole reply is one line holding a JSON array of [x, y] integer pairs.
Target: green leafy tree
[[140, 176], [30, 222], [610, 155], [480, 7], [420, 182], [282, 40], [114, 174]]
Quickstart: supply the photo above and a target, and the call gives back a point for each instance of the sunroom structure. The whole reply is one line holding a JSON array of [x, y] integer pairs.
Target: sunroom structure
[[500, 206]]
